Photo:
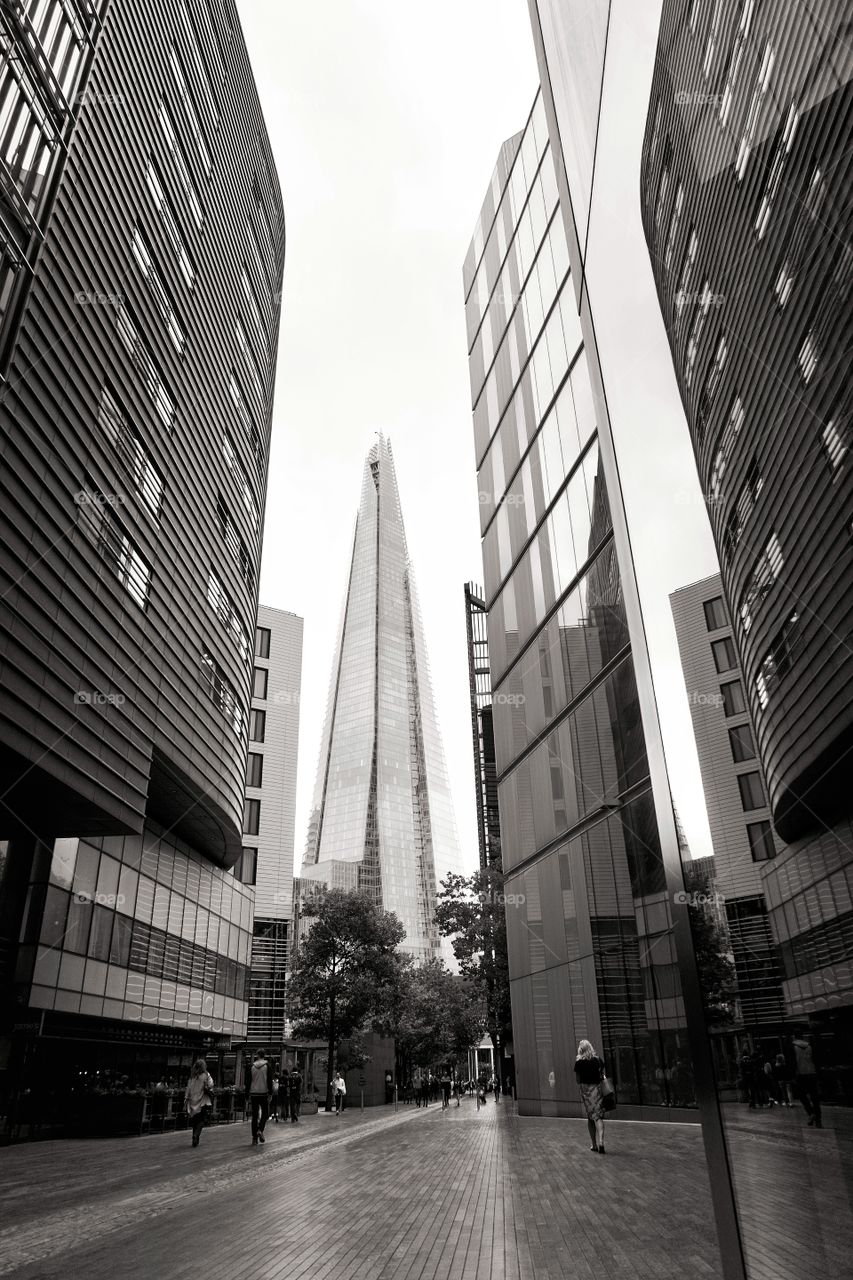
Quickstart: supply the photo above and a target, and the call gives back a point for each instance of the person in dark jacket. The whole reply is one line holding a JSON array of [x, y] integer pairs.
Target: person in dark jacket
[[260, 1092], [589, 1072], [294, 1089]]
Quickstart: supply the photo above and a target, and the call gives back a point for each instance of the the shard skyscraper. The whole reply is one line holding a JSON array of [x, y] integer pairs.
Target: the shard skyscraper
[[382, 818]]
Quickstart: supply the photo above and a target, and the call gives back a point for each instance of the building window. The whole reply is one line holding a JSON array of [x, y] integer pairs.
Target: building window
[[131, 451], [252, 816], [761, 843], [100, 523], [155, 281], [257, 725], [167, 217], [235, 543], [836, 439], [751, 791], [759, 93], [242, 481], [189, 109], [222, 692], [252, 433], [733, 700], [711, 45], [255, 310], [740, 739], [223, 607], [715, 614], [167, 126], [712, 385], [198, 62], [732, 531], [246, 866], [764, 574], [145, 366], [808, 356], [736, 59], [674, 224], [702, 308], [254, 769], [725, 658], [780, 159], [262, 642], [663, 183], [687, 265], [778, 659], [259, 687], [784, 284], [250, 361], [735, 421]]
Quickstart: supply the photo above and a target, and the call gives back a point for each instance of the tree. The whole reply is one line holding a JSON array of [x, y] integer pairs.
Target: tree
[[717, 973], [342, 968], [471, 912], [433, 1016]]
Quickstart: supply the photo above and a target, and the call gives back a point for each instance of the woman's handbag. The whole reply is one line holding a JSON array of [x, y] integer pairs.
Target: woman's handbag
[[608, 1094]]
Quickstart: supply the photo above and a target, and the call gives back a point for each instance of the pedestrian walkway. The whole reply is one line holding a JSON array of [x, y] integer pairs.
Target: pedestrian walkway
[[417, 1195]]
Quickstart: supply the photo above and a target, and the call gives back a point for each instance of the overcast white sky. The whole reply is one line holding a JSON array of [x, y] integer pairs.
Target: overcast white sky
[[386, 120]]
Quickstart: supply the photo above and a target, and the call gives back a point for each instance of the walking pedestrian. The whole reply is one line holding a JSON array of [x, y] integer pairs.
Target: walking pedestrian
[[589, 1072], [497, 1088], [294, 1089], [260, 1094], [198, 1098], [339, 1089], [783, 1076], [446, 1083], [807, 1086], [274, 1098]]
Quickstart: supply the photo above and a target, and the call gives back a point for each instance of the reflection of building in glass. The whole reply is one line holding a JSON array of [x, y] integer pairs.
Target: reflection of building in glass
[[269, 817], [382, 798], [746, 214], [589, 912], [482, 725], [135, 420], [784, 905]]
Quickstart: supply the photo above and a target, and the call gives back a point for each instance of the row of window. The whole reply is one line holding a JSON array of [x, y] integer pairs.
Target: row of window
[[246, 868]]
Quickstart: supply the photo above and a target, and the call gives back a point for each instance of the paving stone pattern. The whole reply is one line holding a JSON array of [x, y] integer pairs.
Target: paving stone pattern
[[420, 1195]]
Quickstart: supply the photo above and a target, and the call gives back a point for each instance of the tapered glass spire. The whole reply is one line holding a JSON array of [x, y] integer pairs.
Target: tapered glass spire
[[382, 800]]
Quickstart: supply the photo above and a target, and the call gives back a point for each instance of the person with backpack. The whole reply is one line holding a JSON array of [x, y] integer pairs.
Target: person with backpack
[[446, 1084], [589, 1073], [260, 1094], [198, 1098]]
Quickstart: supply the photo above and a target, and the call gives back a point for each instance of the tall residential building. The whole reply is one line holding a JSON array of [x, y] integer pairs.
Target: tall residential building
[[746, 205], [143, 246], [382, 798], [592, 895], [735, 797], [482, 725], [269, 815]]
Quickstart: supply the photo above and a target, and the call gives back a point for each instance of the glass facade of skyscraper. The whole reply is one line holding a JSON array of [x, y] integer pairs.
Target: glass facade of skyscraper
[[589, 919], [382, 796]]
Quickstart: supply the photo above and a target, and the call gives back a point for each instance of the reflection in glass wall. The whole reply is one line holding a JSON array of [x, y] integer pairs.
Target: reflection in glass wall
[[588, 916]]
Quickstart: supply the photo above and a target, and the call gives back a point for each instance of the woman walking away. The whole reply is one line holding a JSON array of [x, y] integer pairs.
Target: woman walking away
[[199, 1098], [589, 1071]]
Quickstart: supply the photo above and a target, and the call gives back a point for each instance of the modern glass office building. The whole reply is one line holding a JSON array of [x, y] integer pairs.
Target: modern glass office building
[[142, 239], [589, 904], [382, 797]]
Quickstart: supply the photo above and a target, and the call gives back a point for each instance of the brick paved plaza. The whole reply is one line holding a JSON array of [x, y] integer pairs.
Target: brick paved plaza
[[423, 1195]]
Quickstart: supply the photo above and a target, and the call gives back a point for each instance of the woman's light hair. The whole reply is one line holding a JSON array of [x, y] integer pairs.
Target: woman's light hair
[[585, 1050]]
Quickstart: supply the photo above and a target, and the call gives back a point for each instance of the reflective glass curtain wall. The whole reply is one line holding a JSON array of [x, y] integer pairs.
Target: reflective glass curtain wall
[[588, 913]]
